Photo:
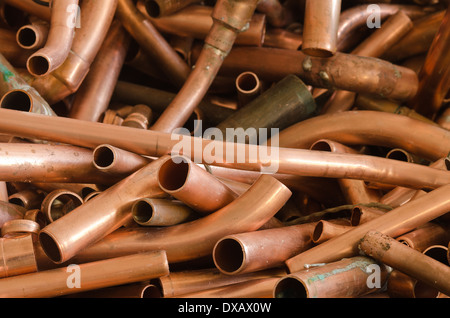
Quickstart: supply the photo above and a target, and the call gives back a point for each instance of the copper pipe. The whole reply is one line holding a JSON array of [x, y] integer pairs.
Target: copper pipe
[[160, 212], [140, 117], [95, 21], [434, 77], [196, 239], [182, 45], [20, 227], [444, 119], [184, 180], [30, 6], [4, 192], [248, 87], [132, 290], [94, 95], [362, 214], [161, 8], [64, 238], [95, 275], [283, 39], [17, 256], [17, 94], [58, 203], [370, 128], [191, 281], [29, 199], [152, 42], [91, 195], [276, 13], [437, 252], [37, 216], [9, 48], [33, 36], [253, 251], [115, 161], [228, 22], [418, 40], [195, 21], [321, 27], [82, 189], [401, 154], [346, 278], [394, 223], [9, 211], [431, 233], [326, 230], [393, 253], [400, 285], [59, 40]]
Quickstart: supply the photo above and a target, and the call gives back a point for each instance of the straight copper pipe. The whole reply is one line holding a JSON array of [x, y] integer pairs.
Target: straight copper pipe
[[17, 256], [320, 27], [58, 203], [9, 48], [161, 8], [29, 198], [95, 275], [362, 214], [64, 238], [407, 260], [33, 36], [152, 42], [33, 8], [161, 212], [248, 87], [394, 223], [59, 40], [431, 233], [94, 95], [346, 278], [326, 230], [253, 251], [400, 285]]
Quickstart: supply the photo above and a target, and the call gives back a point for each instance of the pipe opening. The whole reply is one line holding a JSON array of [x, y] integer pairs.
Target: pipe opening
[[17, 201], [103, 157], [439, 253], [321, 145], [38, 65], [50, 247], [356, 216], [151, 291], [228, 255], [172, 176], [87, 191], [142, 211], [62, 204], [405, 243], [26, 37], [247, 82], [422, 290], [317, 233], [152, 8], [290, 287], [17, 100], [398, 155], [447, 163]]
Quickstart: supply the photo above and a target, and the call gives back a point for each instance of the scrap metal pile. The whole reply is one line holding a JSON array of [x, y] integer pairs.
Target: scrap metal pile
[[225, 149]]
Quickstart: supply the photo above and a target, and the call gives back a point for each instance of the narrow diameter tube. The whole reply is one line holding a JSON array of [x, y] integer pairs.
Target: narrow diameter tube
[[161, 212], [33, 36]]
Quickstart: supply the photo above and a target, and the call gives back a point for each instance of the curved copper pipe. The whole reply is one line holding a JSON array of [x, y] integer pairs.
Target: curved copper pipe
[[409, 261], [394, 223], [346, 278], [73, 232], [95, 21], [95, 275], [58, 203], [400, 285], [152, 42], [253, 251], [161, 8], [94, 95], [431, 233], [59, 40], [196, 239], [10, 211], [19, 227], [30, 6], [17, 256], [229, 20], [320, 27], [326, 230], [160, 212], [33, 36]]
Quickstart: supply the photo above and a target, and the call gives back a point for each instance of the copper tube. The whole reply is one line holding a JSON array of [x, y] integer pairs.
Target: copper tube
[[160, 212], [431, 233], [9, 48], [91, 195], [418, 40], [95, 21], [346, 278], [283, 39], [434, 77], [132, 290], [59, 40], [18, 95], [253, 251], [182, 45], [326, 230], [291, 161], [29, 199], [401, 154], [64, 238], [14, 228], [393, 253], [58, 203], [437, 252], [140, 117], [248, 87], [115, 161], [9, 211], [94, 95], [394, 223], [37, 216], [400, 285], [370, 128], [444, 119], [276, 13], [195, 21], [82, 189], [95, 275], [161, 8], [362, 214], [184, 180], [33, 8], [320, 27], [17, 256], [33, 36], [152, 42], [4, 192], [196, 239], [228, 21]]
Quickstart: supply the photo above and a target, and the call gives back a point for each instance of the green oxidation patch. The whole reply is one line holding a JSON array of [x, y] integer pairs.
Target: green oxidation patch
[[397, 73], [356, 264], [7, 74]]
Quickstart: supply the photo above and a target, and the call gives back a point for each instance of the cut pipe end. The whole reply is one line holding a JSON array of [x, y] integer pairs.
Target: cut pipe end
[[290, 287], [229, 255], [247, 83], [27, 37], [142, 211], [104, 157], [38, 65], [152, 8], [50, 247], [173, 174], [17, 100]]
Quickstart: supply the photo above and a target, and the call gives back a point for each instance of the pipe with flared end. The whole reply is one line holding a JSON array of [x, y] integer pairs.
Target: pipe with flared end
[[59, 40], [19, 227], [33, 36], [321, 27], [253, 251], [346, 278], [407, 260], [95, 275], [161, 212], [230, 18], [64, 238], [394, 223], [196, 239], [17, 256]]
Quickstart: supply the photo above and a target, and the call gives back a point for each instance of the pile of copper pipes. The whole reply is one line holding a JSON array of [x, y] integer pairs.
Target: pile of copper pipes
[[224, 149]]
